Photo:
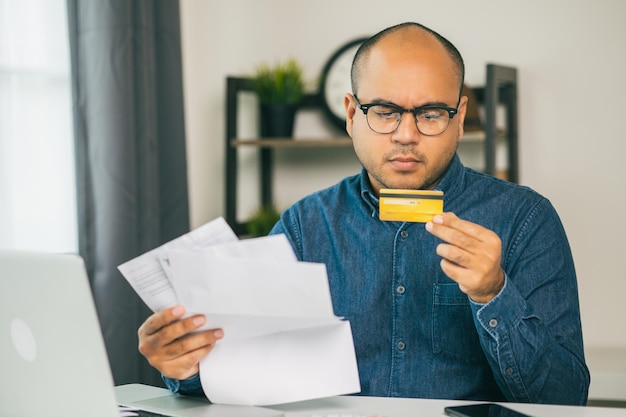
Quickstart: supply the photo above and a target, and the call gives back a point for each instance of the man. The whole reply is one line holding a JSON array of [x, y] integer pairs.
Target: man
[[481, 303]]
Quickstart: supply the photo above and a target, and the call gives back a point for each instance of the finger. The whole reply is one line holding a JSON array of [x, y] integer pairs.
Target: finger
[[482, 259], [453, 221], [192, 342], [455, 271], [178, 329], [453, 231], [185, 366], [455, 255], [151, 344], [461, 233], [160, 319]]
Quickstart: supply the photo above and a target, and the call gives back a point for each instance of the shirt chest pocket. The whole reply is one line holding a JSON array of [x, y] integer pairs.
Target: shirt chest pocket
[[454, 333]]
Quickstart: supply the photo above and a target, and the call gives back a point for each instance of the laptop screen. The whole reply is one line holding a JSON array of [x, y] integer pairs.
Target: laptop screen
[[52, 354]]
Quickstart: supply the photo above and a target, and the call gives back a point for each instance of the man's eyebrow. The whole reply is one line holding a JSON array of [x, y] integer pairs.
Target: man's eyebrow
[[381, 101], [391, 103]]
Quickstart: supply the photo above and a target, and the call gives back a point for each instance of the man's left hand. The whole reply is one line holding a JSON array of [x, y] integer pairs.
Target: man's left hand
[[471, 256]]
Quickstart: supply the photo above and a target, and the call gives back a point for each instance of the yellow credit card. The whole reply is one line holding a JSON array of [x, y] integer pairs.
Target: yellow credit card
[[410, 205]]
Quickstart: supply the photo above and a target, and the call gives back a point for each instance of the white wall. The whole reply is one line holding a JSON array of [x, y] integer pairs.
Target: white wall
[[572, 67]]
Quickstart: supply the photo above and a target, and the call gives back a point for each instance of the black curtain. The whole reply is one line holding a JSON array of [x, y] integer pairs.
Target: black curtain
[[130, 152]]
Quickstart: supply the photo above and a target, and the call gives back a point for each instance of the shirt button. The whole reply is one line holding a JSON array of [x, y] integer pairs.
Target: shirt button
[[493, 323], [400, 289], [401, 345], [509, 371], [404, 234]]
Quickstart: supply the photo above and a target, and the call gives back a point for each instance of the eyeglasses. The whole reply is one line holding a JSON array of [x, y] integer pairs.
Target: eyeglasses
[[385, 118]]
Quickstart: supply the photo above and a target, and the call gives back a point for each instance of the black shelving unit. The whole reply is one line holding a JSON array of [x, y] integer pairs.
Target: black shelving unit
[[500, 89]]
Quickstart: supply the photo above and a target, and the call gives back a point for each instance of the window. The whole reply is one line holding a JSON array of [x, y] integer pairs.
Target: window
[[37, 178]]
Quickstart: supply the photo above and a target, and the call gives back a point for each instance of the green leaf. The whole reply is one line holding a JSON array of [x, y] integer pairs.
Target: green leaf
[[282, 83]]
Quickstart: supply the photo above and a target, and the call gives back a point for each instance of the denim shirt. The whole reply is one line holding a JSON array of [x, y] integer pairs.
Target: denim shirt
[[415, 333]]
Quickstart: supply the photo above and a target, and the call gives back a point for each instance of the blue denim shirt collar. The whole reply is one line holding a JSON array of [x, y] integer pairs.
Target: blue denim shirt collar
[[451, 183]]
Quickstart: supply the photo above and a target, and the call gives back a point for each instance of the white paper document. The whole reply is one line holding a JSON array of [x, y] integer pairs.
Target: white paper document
[[282, 367], [252, 297], [148, 278], [282, 342]]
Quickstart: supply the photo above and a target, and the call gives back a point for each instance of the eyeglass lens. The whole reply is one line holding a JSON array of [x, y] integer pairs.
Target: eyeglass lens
[[385, 119]]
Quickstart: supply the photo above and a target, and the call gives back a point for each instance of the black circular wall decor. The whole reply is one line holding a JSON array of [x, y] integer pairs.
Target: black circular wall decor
[[335, 82]]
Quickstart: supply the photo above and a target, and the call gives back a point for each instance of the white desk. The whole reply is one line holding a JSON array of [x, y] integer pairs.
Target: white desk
[[411, 407], [349, 405]]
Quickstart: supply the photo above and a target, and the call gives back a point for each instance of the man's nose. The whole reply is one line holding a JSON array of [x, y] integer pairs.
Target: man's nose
[[407, 131]]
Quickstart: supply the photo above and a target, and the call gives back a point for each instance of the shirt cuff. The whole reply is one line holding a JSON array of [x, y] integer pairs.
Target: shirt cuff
[[190, 386], [502, 311]]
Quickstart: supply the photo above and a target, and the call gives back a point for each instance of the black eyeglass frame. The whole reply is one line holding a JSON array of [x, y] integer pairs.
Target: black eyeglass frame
[[365, 107]]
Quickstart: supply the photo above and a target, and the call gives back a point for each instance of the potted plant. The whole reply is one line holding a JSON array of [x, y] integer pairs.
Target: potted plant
[[280, 88], [262, 221]]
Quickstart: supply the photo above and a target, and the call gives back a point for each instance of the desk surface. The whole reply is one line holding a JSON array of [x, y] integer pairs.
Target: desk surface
[[350, 405], [412, 407]]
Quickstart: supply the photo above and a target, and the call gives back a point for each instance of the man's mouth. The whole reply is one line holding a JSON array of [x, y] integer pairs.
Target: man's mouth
[[404, 163]]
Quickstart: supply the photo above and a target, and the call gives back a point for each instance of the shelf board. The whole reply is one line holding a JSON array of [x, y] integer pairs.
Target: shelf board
[[479, 136], [293, 143], [474, 136]]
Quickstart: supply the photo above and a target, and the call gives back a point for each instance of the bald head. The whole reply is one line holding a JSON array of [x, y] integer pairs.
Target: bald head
[[412, 35]]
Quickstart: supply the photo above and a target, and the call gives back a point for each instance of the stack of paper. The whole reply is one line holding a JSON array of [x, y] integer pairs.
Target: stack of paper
[[282, 341]]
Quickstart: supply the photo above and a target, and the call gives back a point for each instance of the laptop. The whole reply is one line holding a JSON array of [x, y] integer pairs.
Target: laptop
[[53, 360]]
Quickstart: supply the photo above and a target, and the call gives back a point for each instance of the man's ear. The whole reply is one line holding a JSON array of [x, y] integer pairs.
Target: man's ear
[[350, 106], [461, 114]]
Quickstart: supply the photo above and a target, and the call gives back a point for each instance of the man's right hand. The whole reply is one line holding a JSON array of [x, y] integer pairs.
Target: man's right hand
[[169, 345]]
